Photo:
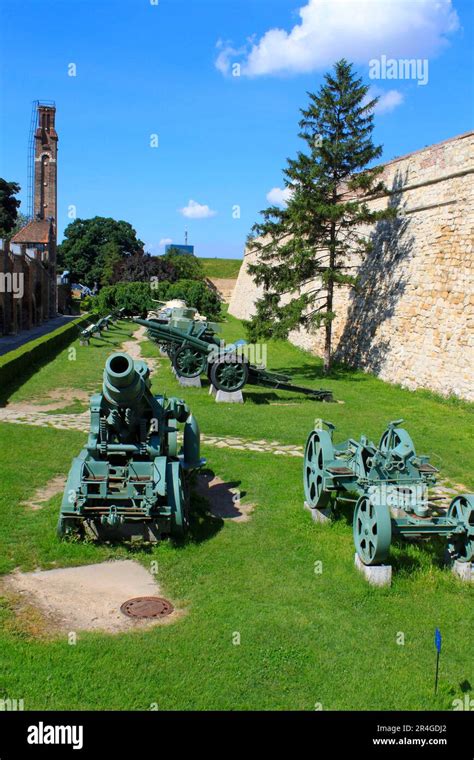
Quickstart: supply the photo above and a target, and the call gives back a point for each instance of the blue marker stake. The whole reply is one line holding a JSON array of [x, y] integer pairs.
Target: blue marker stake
[[438, 652]]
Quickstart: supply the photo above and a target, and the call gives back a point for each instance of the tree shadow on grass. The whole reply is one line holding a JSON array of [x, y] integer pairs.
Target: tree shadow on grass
[[120, 332], [405, 562], [315, 372], [103, 342], [260, 398]]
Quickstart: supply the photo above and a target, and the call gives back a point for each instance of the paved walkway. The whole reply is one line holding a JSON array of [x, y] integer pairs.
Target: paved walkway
[[11, 342], [13, 414], [23, 414]]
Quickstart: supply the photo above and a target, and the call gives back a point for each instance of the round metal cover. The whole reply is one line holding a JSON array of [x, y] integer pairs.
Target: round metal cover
[[147, 607]]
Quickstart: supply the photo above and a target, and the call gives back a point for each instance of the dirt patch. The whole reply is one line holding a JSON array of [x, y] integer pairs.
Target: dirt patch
[[86, 598], [59, 398], [43, 494], [132, 347], [223, 498], [224, 286]]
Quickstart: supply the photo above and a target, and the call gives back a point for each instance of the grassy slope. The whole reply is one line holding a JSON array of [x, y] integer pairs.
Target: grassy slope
[[305, 638], [224, 268]]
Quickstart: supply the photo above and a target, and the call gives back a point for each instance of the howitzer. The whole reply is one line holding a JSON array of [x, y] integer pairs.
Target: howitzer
[[392, 485], [131, 478], [199, 350]]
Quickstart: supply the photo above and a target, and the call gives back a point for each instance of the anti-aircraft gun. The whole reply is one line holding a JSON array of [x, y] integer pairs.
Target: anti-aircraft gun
[[391, 483], [131, 478]]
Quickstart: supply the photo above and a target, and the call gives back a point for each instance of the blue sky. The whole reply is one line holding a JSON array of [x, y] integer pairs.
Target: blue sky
[[166, 69]]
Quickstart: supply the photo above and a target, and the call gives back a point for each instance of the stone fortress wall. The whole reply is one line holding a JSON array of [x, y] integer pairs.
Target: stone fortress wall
[[412, 322]]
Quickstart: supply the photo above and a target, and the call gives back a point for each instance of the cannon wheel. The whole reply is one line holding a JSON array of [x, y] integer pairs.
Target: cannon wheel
[[401, 437], [229, 374], [172, 437], [189, 362], [318, 451], [177, 498], [372, 531], [461, 545]]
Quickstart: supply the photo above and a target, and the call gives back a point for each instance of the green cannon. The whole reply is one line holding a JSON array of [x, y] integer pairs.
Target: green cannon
[[95, 330], [131, 478], [182, 318], [87, 334], [391, 484], [198, 350], [104, 322]]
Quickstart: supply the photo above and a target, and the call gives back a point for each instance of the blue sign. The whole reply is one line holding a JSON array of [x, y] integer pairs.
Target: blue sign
[[438, 639]]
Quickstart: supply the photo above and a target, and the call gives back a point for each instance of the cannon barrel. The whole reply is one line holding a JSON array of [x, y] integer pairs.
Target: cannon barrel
[[170, 334], [124, 381]]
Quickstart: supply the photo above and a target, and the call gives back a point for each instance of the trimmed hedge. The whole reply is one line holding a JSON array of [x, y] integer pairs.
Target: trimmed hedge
[[22, 359]]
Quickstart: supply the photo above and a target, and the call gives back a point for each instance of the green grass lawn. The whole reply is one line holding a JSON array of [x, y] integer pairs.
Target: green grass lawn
[[225, 268], [305, 637]]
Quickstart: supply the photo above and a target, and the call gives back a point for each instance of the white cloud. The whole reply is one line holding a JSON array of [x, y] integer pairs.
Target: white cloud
[[388, 101], [195, 210], [354, 29], [165, 241], [227, 55], [279, 196]]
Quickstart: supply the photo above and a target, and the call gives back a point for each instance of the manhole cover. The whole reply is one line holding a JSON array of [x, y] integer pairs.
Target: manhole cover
[[147, 607]]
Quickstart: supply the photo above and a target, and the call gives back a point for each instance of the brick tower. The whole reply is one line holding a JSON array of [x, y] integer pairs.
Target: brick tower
[[45, 196], [45, 181]]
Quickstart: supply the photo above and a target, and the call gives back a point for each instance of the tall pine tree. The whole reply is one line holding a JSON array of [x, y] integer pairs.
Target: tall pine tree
[[303, 249]]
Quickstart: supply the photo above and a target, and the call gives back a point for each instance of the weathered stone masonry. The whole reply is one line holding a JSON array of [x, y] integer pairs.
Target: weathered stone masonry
[[413, 320]]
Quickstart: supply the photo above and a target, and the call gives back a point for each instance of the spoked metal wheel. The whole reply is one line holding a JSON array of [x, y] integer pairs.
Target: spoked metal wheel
[[461, 545], [372, 531], [178, 499], [229, 374], [319, 450], [188, 362]]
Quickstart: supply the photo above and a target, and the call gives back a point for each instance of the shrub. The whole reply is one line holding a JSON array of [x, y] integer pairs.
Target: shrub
[[134, 297], [195, 293], [185, 265]]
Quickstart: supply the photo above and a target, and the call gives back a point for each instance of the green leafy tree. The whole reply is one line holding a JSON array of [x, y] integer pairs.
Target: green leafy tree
[[195, 293], [186, 265], [9, 206], [21, 221], [303, 249], [112, 256], [92, 247], [142, 268], [134, 297]]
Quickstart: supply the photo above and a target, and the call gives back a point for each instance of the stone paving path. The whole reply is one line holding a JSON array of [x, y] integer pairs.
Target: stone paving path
[[15, 415], [21, 414]]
